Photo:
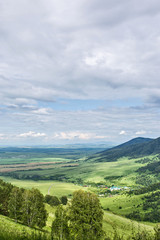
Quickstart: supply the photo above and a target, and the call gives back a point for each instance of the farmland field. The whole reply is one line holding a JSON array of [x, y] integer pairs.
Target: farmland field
[[122, 172]]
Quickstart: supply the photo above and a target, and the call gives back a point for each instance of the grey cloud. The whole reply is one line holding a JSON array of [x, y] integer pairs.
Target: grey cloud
[[40, 48], [79, 50]]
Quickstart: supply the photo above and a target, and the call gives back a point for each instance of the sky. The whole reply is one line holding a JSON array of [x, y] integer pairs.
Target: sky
[[79, 71]]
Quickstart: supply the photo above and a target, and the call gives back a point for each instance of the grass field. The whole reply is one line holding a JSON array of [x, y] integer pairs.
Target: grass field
[[87, 171], [46, 187], [122, 204], [69, 168]]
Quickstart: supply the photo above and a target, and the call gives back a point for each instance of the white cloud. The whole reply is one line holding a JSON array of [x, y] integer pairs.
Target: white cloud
[[140, 132], [122, 132], [43, 111], [32, 134], [77, 135]]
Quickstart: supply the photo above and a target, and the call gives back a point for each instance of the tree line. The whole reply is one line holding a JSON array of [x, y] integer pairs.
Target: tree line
[[24, 205], [80, 219]]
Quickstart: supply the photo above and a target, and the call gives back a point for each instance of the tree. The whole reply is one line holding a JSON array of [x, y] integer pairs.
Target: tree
[[64, 200], [5, 189], [85, 216], [52, 200], [60, 230], [15, 203], [33, 210]]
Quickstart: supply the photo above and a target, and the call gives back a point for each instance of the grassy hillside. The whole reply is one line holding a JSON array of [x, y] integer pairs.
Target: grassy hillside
[[135, 148], [142, 204], [123, 226], [10, 230]]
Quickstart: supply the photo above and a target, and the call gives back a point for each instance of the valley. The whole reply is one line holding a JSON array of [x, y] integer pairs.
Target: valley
[[127, 186]]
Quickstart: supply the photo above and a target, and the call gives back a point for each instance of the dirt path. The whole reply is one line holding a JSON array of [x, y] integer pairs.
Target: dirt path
[[49, 189]]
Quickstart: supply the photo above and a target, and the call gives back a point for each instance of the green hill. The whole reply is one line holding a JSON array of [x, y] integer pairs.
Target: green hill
[[138, 147]]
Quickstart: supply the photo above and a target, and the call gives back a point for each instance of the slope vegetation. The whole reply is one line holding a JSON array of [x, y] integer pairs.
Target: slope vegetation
[[138, 147]]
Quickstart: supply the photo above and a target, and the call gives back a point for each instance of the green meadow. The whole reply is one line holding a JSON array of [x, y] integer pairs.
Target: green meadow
[[122, 204], [46, 187], [121, 172]]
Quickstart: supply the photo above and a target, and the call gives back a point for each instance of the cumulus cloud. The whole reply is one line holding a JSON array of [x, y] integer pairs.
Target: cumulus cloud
[[42, 111], [122, 132], [77, 136], [32, 134]]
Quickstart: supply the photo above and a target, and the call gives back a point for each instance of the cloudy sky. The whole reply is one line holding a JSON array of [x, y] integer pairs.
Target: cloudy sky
[[77, 71]]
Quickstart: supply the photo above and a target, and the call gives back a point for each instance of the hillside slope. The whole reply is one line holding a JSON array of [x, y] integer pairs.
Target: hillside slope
[[137, 147]]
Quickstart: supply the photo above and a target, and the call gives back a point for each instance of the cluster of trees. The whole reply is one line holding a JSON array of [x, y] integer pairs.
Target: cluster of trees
[[55, 201], [26, 175], [5, 189], [147, 189], [151, 206], [81, 220], [153, 168], [26, 206]]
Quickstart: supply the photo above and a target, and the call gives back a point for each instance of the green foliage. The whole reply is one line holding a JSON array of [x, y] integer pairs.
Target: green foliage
[[153, 168], [52, 200], [85, 216], [150, 188], [5, 189], [144, 180], [15, 203], [33, 209], [64, 200], [60, 229], [137, 147]]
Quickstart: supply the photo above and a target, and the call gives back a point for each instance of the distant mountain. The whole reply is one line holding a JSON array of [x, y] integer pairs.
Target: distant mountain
[[134, 141], [136, 147]]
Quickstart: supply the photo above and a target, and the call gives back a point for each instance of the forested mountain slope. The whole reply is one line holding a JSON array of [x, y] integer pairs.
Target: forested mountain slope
[[137, 147]]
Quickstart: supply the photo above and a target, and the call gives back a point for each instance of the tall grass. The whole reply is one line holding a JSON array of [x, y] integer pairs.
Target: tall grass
[[9, 234]]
